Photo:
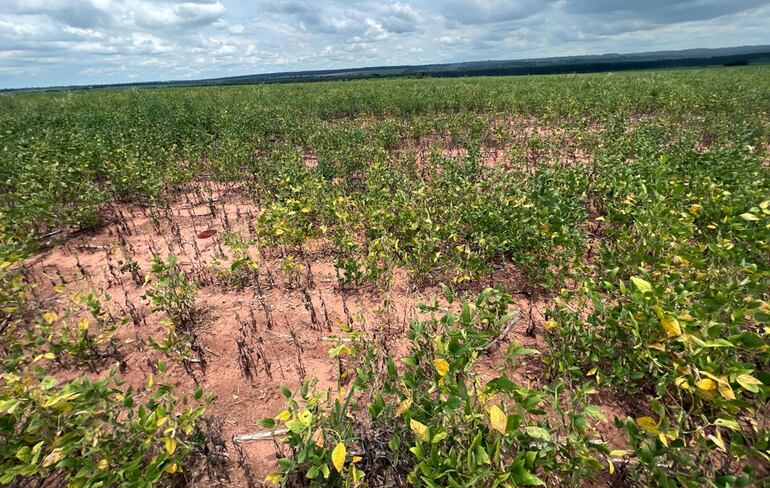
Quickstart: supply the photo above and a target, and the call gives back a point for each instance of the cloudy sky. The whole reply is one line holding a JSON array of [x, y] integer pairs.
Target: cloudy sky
[[55, 42]]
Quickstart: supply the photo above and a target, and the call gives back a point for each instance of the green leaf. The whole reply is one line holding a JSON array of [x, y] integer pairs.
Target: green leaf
[[296, 426], [594, 412], [9, 406], [23, 454], [730, 424], [538, 433], [481, 456], [439, 437], [267, 423], [530, 479], [748, 382], [48, 382], [313, 472], [641, 285]]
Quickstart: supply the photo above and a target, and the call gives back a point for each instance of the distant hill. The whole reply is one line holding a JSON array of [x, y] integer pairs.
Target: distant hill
[[728, 56]]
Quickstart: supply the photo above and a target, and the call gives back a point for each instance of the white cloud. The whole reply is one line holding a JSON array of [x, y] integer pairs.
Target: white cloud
[[50, 42]]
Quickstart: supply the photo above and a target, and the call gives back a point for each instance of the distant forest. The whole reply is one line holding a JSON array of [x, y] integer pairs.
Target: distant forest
[[604, 66], [732, 56]]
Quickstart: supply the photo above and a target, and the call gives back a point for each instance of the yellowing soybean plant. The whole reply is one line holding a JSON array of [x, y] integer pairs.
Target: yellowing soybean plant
[[494, 282]]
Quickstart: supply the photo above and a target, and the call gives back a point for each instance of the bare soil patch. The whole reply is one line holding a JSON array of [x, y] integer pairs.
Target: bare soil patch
[[252, 339]]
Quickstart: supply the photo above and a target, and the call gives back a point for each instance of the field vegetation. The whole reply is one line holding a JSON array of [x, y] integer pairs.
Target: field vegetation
[[501, 282]]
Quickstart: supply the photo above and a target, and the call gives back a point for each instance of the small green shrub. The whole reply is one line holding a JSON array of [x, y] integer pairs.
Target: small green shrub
[[433, 421]]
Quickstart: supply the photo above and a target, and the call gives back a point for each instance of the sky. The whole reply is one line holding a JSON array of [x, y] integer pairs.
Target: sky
[[75, 42]]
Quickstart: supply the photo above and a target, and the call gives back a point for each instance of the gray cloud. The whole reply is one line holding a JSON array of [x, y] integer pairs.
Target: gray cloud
[[76, 13], [290, 7], [662, 11], [491, 11], [177, 15], [364, 20]]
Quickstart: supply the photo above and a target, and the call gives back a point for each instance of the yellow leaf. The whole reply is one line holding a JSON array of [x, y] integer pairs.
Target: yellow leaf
[[713, 377], [441, 366], [420, 430], [273, 478], [610, 466], [706, 384], [170, 445], [671, 325], [305, 417], [618, 453], [83, 324], [497, 418], [173, 468], [103, 465], [725, 390], [342, 350], [551, 324], [648, 424], [403, 407], [50, 317], [150, 381], [338, 457], [283, 416], [642, 285], [717, 439], [439, 345], [355, 459], [52, 458], [483, 397]]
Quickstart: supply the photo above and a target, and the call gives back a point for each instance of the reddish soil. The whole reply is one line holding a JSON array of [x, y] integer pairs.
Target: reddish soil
[[193, 228]]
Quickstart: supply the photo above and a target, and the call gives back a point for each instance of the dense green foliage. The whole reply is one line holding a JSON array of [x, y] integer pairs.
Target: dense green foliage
[[636, 204], [64, 154]]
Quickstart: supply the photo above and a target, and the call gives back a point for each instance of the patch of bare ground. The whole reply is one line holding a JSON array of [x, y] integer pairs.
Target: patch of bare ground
[[509, 142], [276, 329]]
